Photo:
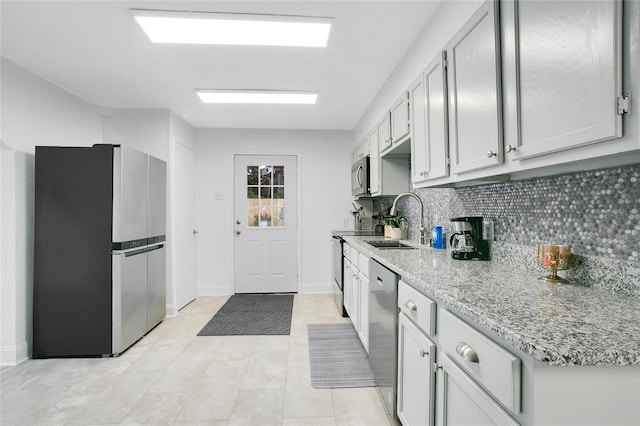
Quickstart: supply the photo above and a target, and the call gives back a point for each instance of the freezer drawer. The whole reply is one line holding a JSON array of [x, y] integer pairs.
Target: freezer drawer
[[156, 286], [129, 298]]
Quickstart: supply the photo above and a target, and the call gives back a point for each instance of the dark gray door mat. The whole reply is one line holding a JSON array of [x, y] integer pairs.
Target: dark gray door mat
[[337, 357], [250, 315]]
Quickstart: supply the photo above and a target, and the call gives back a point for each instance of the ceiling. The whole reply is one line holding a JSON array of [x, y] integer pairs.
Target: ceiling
[[97, 51]]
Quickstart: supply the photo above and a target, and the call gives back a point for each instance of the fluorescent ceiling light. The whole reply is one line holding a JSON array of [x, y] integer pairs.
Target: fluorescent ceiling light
[[256, 97], [233, 29]]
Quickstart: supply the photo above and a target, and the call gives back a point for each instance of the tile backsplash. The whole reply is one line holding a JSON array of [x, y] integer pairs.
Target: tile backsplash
[[597, 212]]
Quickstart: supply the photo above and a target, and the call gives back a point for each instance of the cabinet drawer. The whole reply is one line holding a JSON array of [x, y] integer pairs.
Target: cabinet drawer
[[495, 369], [363, 265], [418, 307]]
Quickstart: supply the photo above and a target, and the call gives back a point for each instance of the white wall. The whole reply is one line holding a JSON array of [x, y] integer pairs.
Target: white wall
[[324, 165], [146, 130], [441, 27], [34, 112]]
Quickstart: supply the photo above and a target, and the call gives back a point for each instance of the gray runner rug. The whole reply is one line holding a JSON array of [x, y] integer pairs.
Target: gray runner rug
[[338, 359], [250, 315]]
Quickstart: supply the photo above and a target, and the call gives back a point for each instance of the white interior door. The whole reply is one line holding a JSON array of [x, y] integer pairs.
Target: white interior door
[[266, 223], [186, 251]]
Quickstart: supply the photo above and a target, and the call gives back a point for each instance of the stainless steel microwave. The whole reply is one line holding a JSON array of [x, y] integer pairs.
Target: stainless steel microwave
[[360, 178]]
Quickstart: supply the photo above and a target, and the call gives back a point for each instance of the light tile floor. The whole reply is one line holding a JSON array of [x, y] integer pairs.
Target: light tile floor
[[172, 376]]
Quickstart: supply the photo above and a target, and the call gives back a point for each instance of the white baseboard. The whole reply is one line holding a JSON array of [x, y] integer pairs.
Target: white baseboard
[[315, 288], [215, 291], [172, 310], [14, 355]]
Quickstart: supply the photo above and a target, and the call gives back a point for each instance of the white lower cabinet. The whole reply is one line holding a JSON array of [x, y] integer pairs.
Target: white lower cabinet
[[348, 286], [462, 402], [416, 379], [356, 293], [473, 372], [363, 329], [448, 366]]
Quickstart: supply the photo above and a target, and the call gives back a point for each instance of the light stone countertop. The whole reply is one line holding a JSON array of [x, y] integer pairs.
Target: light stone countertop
[[557, 324]]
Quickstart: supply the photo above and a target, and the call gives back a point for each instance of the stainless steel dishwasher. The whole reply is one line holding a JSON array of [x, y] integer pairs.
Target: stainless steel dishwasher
[[383, 326]]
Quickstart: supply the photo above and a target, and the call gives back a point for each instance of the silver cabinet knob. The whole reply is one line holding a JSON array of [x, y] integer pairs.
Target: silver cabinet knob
[[237, 222], [423, 353], [195, 231], [238, 232], [411, 305], [510, 148], [491, 154], [467, 352]]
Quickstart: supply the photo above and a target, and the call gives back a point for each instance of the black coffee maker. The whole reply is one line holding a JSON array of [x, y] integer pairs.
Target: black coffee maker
[[466, 241]]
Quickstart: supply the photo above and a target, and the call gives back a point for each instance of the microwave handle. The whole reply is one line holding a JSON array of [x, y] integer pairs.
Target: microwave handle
[[359, 176]]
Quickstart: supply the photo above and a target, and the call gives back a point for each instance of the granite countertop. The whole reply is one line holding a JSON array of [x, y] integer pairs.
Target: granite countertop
[[557, 324]]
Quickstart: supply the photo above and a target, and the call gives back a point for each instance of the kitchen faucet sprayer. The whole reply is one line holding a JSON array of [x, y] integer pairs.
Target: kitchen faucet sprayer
[[394, 212]]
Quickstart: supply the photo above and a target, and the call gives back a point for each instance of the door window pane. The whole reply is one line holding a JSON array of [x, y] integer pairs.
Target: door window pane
[[252, 175], [265, 196]]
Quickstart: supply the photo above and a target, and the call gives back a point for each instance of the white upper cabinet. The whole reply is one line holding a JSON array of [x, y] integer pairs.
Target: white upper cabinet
[[400, 119], [384, 132], [429, 126], [569, 73], [394, 128], [475, 96], [374, 163], [419, 152], [361, 150]]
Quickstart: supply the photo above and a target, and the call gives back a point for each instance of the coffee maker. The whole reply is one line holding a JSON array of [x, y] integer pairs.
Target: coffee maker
[[466, 242]]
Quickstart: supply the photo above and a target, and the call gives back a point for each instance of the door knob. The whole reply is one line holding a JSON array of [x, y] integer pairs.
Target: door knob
[[510, 148], [238, 232], [237, 222], [195, 231], [491, 154]]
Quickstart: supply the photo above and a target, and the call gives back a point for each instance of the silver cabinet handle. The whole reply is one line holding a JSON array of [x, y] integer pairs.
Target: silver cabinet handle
[[491, 154], [411, 305], [423, 353], [510, 148], [467, 352], [238, 232]]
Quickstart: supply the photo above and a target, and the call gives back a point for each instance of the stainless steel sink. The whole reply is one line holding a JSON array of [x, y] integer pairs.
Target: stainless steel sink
[[390, 245]]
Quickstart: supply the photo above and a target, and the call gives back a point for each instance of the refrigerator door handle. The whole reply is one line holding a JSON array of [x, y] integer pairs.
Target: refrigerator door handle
[[137, 250]]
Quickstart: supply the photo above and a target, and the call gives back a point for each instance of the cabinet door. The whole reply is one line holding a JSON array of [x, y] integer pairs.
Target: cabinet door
[[384, 133], [475, 105], [347, 286], [463, 402], [363, 331], [437, 132], [374, 163], [417, 114], [416, 381], [569, 63], [400, 118], [355, 298]]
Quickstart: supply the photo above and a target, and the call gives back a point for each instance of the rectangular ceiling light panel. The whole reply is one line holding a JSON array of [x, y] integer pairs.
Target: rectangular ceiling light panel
[[256, 97], [241, 29]]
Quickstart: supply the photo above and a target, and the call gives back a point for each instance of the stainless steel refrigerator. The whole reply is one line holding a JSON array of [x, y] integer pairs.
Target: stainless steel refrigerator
[[99, 250]]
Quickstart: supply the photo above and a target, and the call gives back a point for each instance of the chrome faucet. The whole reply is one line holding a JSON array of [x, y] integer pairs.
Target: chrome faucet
[[394, 212]]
